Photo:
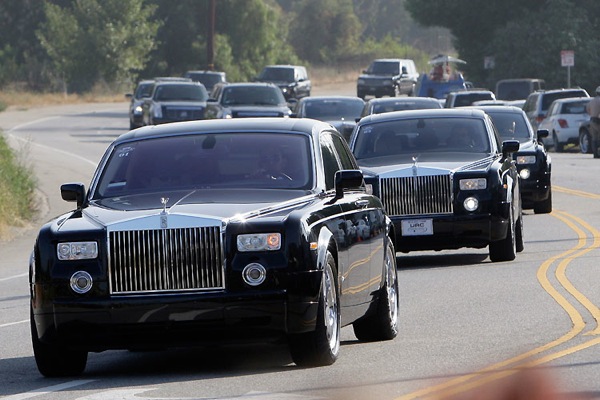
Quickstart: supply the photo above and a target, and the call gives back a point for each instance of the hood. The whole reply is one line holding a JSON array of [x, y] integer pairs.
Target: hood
[[426, 164], [183, 104], [213, 205], [259, 111]]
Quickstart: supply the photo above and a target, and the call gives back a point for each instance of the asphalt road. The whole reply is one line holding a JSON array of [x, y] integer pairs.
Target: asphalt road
[[464, 319]]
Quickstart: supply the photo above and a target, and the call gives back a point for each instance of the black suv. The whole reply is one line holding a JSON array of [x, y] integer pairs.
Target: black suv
[[388, 77], [291, 79], [173, 101]]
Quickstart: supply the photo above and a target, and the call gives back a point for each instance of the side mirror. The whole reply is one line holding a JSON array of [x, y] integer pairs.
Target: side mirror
[[73, 192], [543, 133], [128, 96], [510, 146], [347, 179]]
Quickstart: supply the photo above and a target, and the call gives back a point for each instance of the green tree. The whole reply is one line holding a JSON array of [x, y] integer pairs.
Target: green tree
[[524, 37], [325, 31], [97, 40]]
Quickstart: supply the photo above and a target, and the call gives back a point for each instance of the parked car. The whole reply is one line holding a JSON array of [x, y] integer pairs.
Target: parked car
[[444, 179], [464, 98], [388, 104], [173, 101], [248, 99], [179, 242], [533, 161], [518, 89], [142, 90], [208, 78], [387, 77], [537, 103], [340, 111], [563, 120], [293, 80], [585, 137]]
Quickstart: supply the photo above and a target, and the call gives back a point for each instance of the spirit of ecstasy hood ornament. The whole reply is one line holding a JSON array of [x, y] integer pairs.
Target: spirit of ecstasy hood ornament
[[414, 166], [163, 215]]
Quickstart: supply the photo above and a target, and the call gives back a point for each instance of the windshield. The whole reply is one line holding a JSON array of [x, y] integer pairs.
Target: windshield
[[422, 135], [180, 93], [278, 74], [204, 161], [384, 68], [389, 106], [253, 95], [330, 110], [511, 126]]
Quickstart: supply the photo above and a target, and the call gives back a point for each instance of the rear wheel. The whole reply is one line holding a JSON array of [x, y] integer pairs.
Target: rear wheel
[[584, 142], [322, 346], [558, 146], [383, 323], [54, 360]]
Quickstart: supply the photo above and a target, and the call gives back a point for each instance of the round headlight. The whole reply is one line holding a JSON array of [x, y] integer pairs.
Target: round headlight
[[81, 282], [525, 173], [471, 203], [254, 274]]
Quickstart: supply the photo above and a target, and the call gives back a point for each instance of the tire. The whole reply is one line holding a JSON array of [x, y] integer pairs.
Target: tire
[[383, 323], [321, 346], [505, 249], [558, 146], [585, 142], [544, 206], [519, 243], [56, 361]]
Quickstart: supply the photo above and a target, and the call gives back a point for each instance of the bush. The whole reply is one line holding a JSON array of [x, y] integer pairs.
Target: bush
[[17, 187]]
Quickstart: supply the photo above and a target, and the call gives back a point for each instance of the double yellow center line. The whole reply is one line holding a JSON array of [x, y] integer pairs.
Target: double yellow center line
[[526, 360]]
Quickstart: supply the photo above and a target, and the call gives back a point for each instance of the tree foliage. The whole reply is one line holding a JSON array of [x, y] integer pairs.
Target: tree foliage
[[97, 40], [524, 38]]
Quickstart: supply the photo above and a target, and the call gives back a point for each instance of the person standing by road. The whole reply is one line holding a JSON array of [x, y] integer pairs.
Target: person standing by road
[[593, 109]]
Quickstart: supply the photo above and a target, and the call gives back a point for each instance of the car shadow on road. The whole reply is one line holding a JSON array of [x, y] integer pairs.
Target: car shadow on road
[[447, 259]]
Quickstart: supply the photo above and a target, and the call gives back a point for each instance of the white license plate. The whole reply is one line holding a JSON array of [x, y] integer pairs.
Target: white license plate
[[417, 227]]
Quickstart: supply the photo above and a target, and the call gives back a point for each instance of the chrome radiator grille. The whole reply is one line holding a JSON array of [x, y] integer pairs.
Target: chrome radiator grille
[[417, 195], [150, 261]]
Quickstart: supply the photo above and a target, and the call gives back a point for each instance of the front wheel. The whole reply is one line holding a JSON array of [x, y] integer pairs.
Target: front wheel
[[54, 360], [383, 323], [544, 206], [505, 249], [321, 346]]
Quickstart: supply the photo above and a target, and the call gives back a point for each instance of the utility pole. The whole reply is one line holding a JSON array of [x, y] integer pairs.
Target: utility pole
[[210, 52]]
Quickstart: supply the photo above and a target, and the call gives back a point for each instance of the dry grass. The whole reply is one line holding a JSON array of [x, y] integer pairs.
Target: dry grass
[[20, 99]]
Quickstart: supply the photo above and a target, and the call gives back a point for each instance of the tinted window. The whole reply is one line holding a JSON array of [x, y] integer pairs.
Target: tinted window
[[384, 68], [330, 161], [550, 97], [180, 92], [277, 74], [411, 137], [379, 108], [252, 95], [227, 160], [510, 125], [330, 110]]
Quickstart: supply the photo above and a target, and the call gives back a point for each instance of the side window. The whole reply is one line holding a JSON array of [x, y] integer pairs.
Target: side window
[[330, 161], [346, 158]]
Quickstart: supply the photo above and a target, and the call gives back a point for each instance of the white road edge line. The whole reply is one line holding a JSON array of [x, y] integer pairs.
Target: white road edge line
[[8, 278], [47, 390], [13, 323]]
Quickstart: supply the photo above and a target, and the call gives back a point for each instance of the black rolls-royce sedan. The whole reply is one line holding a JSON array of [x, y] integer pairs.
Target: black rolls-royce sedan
[[253, 229], [444, 178]]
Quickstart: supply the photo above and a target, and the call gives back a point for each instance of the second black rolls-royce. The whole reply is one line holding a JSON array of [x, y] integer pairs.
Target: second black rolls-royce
[[252, 229], [444, 178]]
